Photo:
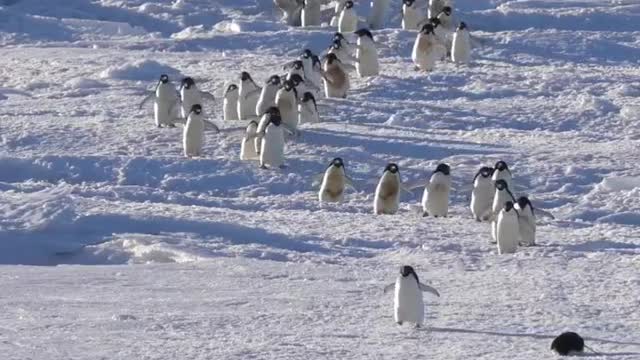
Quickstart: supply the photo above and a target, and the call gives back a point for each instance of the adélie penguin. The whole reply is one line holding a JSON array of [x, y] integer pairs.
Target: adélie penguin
[[334, 182], [165, 98], [247, 96], [272, 134], [501, 197], [191, 95], [193, 134], [408, 304], [569, 343], [230, 103], [526, 221], [366, 54], [287, 103], [268, 93], [461, 45], [348, 21], [507, 231], [411, 15], [308, 109], [482, 194], [387, 196], [378, 13], [336, 79], [501, 172], [310, 14], [426, 49], [247, 148], [435, 199]]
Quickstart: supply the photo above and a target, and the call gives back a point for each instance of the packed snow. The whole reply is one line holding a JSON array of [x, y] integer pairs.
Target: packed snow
[[113, 245]]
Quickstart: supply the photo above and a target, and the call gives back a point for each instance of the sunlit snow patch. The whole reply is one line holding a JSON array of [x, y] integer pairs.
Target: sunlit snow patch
[[139, 70]]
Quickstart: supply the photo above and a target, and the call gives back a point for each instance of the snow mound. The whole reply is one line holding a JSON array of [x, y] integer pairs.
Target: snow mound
[[237, 26], [145, 70], [84, 83]]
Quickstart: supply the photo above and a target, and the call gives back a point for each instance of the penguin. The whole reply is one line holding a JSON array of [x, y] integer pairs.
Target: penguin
[[426, 49], [338, 10], [443, 38], [482, 194], [435, 7], [502, 195], [334, 182], [378, 13], [461, 45], [526, 221], [445, 18], [165, 98], [291, 10], [507, 231], [310, 13], [501, 172], [411, 15], [348, 18], [247, 148], [300, 85], [341, 51], [435, 199], [387, 197], [230, 103], [193, 134], [312, 68], [344, 43], [568, 343], [272, 150], [336, 79], [295, 67], [267, 97], [287, 103], [247, 96], [408, 304], [366, 54], [307, 109], [191, 95]]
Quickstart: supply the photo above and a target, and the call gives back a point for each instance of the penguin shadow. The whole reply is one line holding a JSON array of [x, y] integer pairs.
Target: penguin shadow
[[542, 337]]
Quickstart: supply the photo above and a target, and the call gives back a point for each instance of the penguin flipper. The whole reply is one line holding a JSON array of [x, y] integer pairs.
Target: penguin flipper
[[207, 95], [146, 99], [253, 92], [408, 191], [349, 183], [317, 180], [208, 125], [181, 121], [429, 289], [545, 213], [388, 288], [175, 103]]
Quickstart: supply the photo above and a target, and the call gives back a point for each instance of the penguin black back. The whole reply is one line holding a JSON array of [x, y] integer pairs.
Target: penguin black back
[[484, 171], [309, 97], [364, 32], [567, 343], [427, 29]]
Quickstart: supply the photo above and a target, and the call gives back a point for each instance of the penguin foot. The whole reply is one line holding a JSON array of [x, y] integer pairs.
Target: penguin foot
[[399, 323], [263, 167], [425, 214]]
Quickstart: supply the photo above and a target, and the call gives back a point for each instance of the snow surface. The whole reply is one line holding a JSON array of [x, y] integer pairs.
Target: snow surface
[[160, 257]]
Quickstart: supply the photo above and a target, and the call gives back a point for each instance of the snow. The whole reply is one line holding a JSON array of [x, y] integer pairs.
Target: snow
[[113, 245]]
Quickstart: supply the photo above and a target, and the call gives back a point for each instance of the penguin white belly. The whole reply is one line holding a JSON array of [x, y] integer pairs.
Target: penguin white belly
[[193, 138], [230, 108], [338, 83], [311, 14], [408, 302], [272, 152], [190, 97], [348, 22], [367, 64], [461, 48], [503, 175], [378, 14], [306, 114], [507, 232], [423, 54], [410, 18], [387, 200], [481, 201], [162, 112], [436, 201], [266, 100], [247, 103], [248, 150], [527, 226], [332, 188], [288, 112]]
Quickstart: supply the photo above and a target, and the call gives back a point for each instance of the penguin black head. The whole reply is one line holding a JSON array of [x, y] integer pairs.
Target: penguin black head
[[408, 2], [337, 162], [316, 59], [273, 116], [306, 53], [435, 22], [164, 78], [501, 166], [443, 168], [338, 36], [231, 87], [252, 123], [392, 168], [508, 206], [485, 172], [187, 83], [298, 65], [523, 202], [307, 96], [348, 4], [364, 32], [501, 185], [427, 29], [462, 26], [274, 80], [296, 79], [331, 58], [244, 76], [197, 108], [568, 342], [336, 44], [446, 10], [407, 270]]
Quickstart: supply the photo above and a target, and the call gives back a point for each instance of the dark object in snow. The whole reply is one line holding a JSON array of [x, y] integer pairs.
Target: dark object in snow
[[567, 343]]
